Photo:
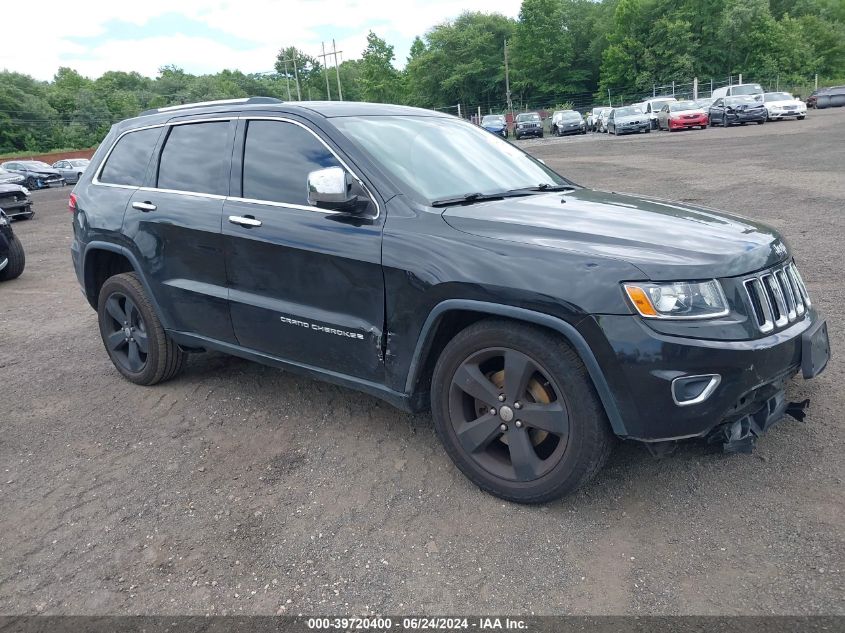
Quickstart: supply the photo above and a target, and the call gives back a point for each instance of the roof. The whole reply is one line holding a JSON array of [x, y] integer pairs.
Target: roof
[[324, 108]]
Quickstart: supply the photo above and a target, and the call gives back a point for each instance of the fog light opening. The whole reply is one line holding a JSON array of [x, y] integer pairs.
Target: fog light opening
[[688, 390]]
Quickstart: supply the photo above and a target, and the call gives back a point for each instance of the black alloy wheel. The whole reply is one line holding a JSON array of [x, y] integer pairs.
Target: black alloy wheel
[[126, 333], [30, 183], [137, 344], [517, 412]]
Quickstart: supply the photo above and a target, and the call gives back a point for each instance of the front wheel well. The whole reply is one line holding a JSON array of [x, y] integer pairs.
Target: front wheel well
[[100, 265]]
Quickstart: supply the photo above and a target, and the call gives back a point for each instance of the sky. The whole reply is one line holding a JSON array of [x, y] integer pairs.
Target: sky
[[206, 36]]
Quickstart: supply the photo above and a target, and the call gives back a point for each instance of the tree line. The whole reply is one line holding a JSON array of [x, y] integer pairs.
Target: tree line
[[556, 48]]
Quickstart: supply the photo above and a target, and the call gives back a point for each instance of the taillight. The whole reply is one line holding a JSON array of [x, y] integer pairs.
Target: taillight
[[71, 203]]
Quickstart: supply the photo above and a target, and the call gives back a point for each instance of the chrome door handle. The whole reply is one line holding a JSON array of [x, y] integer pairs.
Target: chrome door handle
[[144, 206], [244, 220]]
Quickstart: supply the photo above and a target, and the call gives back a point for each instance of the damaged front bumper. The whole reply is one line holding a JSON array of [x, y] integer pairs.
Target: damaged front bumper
[[739, 436]]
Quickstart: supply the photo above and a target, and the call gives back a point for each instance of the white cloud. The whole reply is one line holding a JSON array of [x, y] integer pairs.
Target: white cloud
[[80, 38]]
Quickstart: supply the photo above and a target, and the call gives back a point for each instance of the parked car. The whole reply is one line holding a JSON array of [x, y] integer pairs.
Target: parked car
[[71, 169], [536, 318], [627, 120], [10, 178], [833, 97], [568, 122], [652, 106], [528, 124], [16, 202], [730, 110], [37, 175], [600, 119], [679, 115], [495, 123], [739, 90], [782, 105], [12, 257]]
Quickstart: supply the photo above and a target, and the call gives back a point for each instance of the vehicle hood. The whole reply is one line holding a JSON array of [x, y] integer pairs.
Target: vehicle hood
[[493, 127], [46, 171], [666, 240], [630, 118], [10, 177], [785, 102], [571, 122], [7, 187]]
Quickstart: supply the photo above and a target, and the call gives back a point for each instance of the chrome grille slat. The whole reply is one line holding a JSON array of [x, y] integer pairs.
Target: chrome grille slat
[[786, 289], [777, 297]]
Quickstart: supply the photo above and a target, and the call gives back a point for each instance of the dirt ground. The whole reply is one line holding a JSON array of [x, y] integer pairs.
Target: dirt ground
[[242, 489]]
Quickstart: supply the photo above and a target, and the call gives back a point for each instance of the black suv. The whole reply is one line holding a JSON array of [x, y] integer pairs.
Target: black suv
[[414, 256]]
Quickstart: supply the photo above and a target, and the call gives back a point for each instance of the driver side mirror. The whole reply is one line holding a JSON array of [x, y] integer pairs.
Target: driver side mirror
[[334, 188]]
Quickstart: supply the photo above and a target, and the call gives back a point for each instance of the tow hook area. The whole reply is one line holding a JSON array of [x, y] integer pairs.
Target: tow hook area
[[740, 436]]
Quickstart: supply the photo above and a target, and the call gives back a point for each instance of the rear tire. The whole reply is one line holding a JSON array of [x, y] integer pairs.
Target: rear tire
[[17, 261], [133, 335], [556, 435]]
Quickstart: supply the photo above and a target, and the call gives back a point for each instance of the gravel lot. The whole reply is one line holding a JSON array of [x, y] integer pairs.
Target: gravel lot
[[242, 489]]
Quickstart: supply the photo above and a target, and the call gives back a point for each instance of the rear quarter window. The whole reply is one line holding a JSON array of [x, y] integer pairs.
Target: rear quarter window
[[127, 162]]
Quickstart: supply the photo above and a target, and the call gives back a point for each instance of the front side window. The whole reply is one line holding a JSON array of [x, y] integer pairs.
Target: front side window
[[278, 156], [127, 162], [443, 157], [196, 158]]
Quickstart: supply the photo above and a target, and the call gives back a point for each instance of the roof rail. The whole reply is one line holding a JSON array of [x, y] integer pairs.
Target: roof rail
[[199, 104]]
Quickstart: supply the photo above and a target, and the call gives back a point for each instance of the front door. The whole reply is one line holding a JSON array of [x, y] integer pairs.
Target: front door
[[305, 285]]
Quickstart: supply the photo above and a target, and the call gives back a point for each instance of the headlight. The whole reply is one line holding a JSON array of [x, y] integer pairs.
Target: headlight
[[678, 299], [25, 191], [3, 220]]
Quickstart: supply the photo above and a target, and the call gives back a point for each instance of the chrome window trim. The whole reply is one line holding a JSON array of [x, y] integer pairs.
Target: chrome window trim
[[343, 163], [286, 205]]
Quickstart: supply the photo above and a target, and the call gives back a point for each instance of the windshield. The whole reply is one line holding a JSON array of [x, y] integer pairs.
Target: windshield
[[571, 115], [778, 96], [747, 89], [656, 105], [79, 162], [531, 116], [628, 111], [740, 100], [444, 157], [680, 106], [492, 119], [35, 164]]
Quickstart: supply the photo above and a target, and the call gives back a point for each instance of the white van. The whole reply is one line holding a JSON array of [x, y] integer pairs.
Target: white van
[[754, 90], [652, 106]]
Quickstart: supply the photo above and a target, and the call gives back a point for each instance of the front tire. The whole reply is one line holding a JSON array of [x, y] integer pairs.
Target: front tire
[[517, 412], [17, 260], [133, 335]]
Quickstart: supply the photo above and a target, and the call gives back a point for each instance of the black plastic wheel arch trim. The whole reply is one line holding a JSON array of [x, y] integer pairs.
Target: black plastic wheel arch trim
[[569, 332]]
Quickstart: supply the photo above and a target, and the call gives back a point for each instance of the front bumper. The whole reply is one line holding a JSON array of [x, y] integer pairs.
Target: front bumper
[[632, 129], [785, 114], [531, 131], [679, 124], [746, 117], [640, 364]]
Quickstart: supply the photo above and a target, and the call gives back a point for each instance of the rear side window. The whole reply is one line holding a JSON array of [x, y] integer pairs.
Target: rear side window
[[278, 157], [127, 163], [196, 158]]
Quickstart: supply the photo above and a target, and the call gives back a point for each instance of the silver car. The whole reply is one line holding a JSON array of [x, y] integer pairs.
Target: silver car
[[71, 168]]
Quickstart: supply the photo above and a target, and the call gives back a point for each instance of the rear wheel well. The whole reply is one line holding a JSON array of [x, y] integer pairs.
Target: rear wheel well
[[100, 265]]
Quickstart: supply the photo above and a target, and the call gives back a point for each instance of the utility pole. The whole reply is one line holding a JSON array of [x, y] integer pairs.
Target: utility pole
[[326, 72], [337, 70], [508, 81], [695, 88], [296, 75], [287, 80]]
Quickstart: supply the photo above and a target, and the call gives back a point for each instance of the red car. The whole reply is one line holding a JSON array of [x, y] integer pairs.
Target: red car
[[678, 115]]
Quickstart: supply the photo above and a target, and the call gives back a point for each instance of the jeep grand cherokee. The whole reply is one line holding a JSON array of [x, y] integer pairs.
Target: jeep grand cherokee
[[418, 258]]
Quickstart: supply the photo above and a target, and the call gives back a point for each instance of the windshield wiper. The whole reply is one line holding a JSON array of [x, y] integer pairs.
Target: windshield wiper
[[470, 198], [545, 187]]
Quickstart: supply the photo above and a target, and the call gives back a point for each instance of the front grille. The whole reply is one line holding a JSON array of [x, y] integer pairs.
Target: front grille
[[778, 297]]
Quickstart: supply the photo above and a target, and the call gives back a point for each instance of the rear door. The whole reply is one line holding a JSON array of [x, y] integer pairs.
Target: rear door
[[174, 224], [305, 284]]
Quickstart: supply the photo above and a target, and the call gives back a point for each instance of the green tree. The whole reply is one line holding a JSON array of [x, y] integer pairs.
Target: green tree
[[378, 78]]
